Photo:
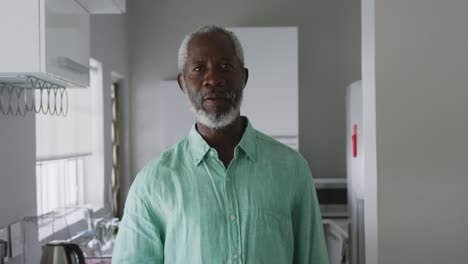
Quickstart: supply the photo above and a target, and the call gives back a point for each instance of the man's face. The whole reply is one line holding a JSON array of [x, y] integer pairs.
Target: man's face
[[214, 79]]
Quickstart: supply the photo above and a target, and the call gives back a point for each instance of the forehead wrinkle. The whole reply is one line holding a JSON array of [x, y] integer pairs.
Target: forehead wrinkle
[[196, 61]]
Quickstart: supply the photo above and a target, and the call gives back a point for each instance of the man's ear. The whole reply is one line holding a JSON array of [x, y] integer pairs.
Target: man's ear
[[246, 76], [181, 82]]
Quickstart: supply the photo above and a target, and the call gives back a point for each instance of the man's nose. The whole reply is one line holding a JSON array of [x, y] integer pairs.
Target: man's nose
[[213, 79]]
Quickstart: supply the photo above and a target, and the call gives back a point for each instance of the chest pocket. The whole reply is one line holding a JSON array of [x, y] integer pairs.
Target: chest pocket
[[274, 242]]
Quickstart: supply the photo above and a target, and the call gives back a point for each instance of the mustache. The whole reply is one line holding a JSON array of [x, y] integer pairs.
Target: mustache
[[224, 95], [215, 96]]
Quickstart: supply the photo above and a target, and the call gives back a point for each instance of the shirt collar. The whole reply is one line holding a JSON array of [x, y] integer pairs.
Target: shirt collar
[[248, 141], [199, 148]]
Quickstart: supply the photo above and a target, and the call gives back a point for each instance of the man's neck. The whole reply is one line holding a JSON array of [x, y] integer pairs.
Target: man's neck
[[224, 138]]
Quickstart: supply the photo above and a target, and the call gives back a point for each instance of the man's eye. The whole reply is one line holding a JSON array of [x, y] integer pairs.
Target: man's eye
[[197, 68], [226, 66]]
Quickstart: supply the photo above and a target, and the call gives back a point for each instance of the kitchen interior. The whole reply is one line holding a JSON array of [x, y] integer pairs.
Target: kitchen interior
[[371, 92]]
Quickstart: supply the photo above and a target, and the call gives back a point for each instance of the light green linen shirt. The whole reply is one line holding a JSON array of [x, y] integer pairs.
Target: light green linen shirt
[[187, 208]]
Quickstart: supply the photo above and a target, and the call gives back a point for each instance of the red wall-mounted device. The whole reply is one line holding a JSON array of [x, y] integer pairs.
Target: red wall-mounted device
[[354, 138]]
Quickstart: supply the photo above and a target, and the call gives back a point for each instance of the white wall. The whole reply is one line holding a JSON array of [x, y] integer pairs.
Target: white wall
[[421, 95], [329, 60]]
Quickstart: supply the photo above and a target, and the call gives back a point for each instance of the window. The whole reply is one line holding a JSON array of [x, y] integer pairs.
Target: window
[[58, 183], [69, 150]]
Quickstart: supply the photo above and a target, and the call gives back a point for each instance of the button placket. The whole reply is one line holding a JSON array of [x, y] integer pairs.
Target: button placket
[[233, 216]]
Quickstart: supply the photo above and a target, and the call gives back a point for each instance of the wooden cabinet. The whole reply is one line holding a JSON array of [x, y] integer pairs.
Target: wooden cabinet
[[271, 99], [48, 39]]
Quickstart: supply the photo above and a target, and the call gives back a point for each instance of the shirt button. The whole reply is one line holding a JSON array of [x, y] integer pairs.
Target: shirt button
[[212, 153], [233, 217], [236, 257], [228, 179]]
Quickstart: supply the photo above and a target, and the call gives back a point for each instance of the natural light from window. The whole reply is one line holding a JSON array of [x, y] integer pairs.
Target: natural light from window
[[69, 149]]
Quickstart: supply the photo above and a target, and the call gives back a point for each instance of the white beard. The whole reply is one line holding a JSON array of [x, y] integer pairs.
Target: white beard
[[211, 120]]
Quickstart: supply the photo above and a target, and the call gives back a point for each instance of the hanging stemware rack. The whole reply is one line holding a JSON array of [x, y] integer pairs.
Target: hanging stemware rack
[[33, 95]]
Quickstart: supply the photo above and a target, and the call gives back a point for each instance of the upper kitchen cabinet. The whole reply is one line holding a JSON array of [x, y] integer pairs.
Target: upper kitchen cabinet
[[47, 39], [104, 6]]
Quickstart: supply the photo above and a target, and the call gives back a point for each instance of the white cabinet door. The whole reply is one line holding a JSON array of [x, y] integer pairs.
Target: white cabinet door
[[271, 99], [122, 5], [66, 41], [19, 46], [271, 94], [175, 117], [104, 6]]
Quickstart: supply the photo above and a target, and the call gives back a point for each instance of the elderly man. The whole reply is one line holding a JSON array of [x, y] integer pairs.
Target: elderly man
[[226, 193]]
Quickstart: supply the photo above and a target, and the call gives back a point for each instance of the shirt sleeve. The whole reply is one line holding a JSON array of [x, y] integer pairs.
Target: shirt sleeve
[[140, 235], [309, 240]]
